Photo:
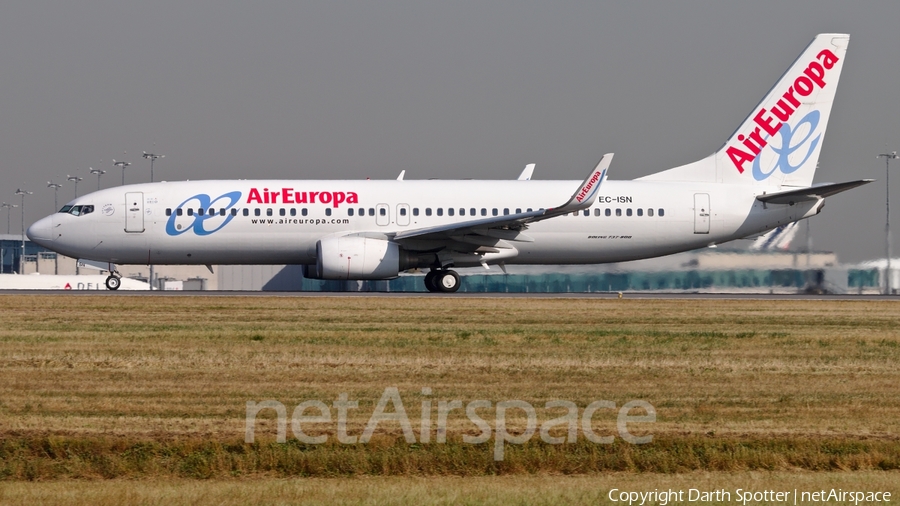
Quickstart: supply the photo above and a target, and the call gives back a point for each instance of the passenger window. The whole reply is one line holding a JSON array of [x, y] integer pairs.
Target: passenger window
[[327, 211], [483, 211], [222, 212], [618, 212], [200, 211], [402, 211], [190, 212], [304, 212], [233, 211], [427, 211], [505, 211], [212, 212], [462, 211], [662, 212], [440, 211], [415, 211], [587, 212], [529, 209], [640, 212], [472, 212], [494, 212], [608, 212], [168, 211], [382, 211], [256, 212], [628, 212], [179, 212], [246, 212], [282, 212], [650, 212], [350, 212], [450, 211], [518, 211], [371, 211], [362, 211], [293, 211], [269, 212], [597, 212]]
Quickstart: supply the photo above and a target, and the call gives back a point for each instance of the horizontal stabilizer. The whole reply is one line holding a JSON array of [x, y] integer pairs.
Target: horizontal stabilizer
[[815, 192]]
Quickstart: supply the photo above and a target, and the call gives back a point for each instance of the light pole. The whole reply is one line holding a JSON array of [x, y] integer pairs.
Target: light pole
[[56, 188], [7, 207], [99, 173], [887, 222], [75, 179], [152, 157], [22, 192], [123, 165]]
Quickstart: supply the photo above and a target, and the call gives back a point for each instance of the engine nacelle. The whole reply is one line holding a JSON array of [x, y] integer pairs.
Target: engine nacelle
[[356, 258]]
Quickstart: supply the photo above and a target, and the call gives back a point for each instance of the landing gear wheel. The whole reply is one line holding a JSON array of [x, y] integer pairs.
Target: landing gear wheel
[[429, 281], [447, 281], [113, 283]]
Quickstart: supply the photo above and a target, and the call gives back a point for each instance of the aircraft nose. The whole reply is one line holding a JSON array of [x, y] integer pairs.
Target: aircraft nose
[[41, 231]]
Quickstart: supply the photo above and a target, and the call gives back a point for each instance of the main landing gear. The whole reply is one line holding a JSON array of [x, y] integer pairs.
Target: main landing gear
[[114, 281], [442, 281]]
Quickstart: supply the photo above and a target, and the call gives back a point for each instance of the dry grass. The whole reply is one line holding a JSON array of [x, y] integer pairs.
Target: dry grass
[[156, 386], [496, 490]]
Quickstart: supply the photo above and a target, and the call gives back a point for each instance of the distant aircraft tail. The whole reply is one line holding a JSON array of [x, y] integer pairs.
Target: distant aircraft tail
[[778, 144]]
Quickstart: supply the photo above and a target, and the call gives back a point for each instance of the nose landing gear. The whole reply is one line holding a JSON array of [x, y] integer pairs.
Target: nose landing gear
[[446, 281]]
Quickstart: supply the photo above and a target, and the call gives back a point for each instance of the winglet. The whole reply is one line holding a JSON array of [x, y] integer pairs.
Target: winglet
[[586, 194], [402, 173]]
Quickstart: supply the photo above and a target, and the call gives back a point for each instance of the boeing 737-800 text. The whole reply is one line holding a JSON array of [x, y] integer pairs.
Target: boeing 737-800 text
[[760, 179]]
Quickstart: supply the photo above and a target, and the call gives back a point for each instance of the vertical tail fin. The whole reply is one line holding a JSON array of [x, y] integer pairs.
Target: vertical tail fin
[[778, 144]]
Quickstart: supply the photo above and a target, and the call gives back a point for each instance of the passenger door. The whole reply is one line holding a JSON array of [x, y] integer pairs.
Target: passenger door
[[134, 212], [701, 213]]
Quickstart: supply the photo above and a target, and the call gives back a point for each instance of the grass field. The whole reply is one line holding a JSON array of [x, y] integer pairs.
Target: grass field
[[154, 389]]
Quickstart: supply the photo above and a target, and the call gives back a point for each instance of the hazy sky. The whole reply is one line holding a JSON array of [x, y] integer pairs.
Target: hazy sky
[[288, 89]]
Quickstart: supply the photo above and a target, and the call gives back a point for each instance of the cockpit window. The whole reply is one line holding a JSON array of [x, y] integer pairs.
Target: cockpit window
[[77, 210]]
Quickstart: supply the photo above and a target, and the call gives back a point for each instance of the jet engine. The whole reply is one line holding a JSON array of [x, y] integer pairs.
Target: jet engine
[[357, 257]]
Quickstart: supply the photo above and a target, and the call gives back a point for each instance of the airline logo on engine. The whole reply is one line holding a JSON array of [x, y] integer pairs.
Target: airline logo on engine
[[775, 121], [291, 196]]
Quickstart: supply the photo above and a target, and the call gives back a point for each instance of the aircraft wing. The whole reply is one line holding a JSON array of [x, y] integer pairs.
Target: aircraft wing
[[509, 227], [814, 192]]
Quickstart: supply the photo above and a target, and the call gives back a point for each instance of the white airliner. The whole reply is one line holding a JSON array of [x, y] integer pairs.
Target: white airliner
[[760, 179]]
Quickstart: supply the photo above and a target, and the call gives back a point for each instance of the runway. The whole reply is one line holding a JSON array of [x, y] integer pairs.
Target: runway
[[466, 295]]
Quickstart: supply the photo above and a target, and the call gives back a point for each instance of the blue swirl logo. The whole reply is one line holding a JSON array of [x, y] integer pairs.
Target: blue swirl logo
[[199, 225], [789, 146]]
